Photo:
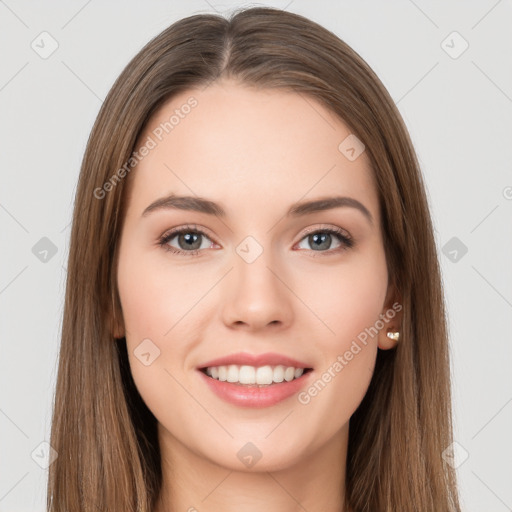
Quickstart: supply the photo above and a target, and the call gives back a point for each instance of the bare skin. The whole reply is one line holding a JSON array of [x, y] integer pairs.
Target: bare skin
[[255, 153]]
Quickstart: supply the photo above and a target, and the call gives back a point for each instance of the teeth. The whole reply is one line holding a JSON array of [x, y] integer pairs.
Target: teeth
[[263, 375], [222, 373]]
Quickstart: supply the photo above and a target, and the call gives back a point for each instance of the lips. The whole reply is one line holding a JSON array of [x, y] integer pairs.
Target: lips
[[244, 358], [251, 394]]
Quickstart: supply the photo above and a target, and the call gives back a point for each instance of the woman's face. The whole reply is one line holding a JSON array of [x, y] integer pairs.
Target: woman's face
[[258, 273]]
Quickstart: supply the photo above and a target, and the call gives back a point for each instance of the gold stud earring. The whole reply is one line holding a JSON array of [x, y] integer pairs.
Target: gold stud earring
[[394, 335]]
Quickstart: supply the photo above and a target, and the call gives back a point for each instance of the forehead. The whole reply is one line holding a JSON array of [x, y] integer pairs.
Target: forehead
[[231, 143]]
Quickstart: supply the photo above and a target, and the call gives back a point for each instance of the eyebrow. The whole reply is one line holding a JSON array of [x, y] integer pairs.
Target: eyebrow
[[199, 204]]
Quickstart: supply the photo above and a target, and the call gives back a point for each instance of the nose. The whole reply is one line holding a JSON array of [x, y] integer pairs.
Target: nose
[[257, 295]]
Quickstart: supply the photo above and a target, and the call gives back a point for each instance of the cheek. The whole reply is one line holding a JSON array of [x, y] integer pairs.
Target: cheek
[[357, 308], [348, 298], [154, 313], [160, 303], [349, 304], [153, 297]]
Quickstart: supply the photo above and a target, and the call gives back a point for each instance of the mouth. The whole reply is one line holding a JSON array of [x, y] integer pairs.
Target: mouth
[[254, 376], [255, 380]]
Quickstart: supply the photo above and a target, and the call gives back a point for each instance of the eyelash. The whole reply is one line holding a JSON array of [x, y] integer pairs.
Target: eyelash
[[163, 242]]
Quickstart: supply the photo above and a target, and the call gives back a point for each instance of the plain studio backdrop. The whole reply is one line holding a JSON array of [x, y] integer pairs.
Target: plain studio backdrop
[[446, 64]]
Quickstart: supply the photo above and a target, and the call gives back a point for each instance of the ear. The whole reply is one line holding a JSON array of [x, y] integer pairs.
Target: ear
[[391, 316]]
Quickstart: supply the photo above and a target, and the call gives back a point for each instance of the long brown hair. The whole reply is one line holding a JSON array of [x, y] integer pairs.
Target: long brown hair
[[105, 436]]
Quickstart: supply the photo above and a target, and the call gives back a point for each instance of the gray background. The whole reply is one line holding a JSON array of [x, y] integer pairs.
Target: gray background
[[458, 110]]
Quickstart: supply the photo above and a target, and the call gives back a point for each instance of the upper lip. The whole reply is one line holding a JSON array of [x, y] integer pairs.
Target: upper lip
[[257, 360]]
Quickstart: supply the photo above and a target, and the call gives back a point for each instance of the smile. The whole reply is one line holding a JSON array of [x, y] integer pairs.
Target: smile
[[264, 392], [257, 376]]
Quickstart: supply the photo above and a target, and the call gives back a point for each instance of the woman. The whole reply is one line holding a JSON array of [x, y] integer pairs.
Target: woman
[[254, 314]]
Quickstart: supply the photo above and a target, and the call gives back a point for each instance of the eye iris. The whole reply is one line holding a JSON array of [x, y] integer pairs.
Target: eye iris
[[322, 244], [188, 237], [191, 240]]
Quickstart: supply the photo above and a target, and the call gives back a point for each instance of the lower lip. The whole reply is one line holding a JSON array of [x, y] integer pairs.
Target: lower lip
[[254, 396]]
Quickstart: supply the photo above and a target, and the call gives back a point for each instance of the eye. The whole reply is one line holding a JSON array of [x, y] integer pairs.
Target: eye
[[189, 240], [321, 239]]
